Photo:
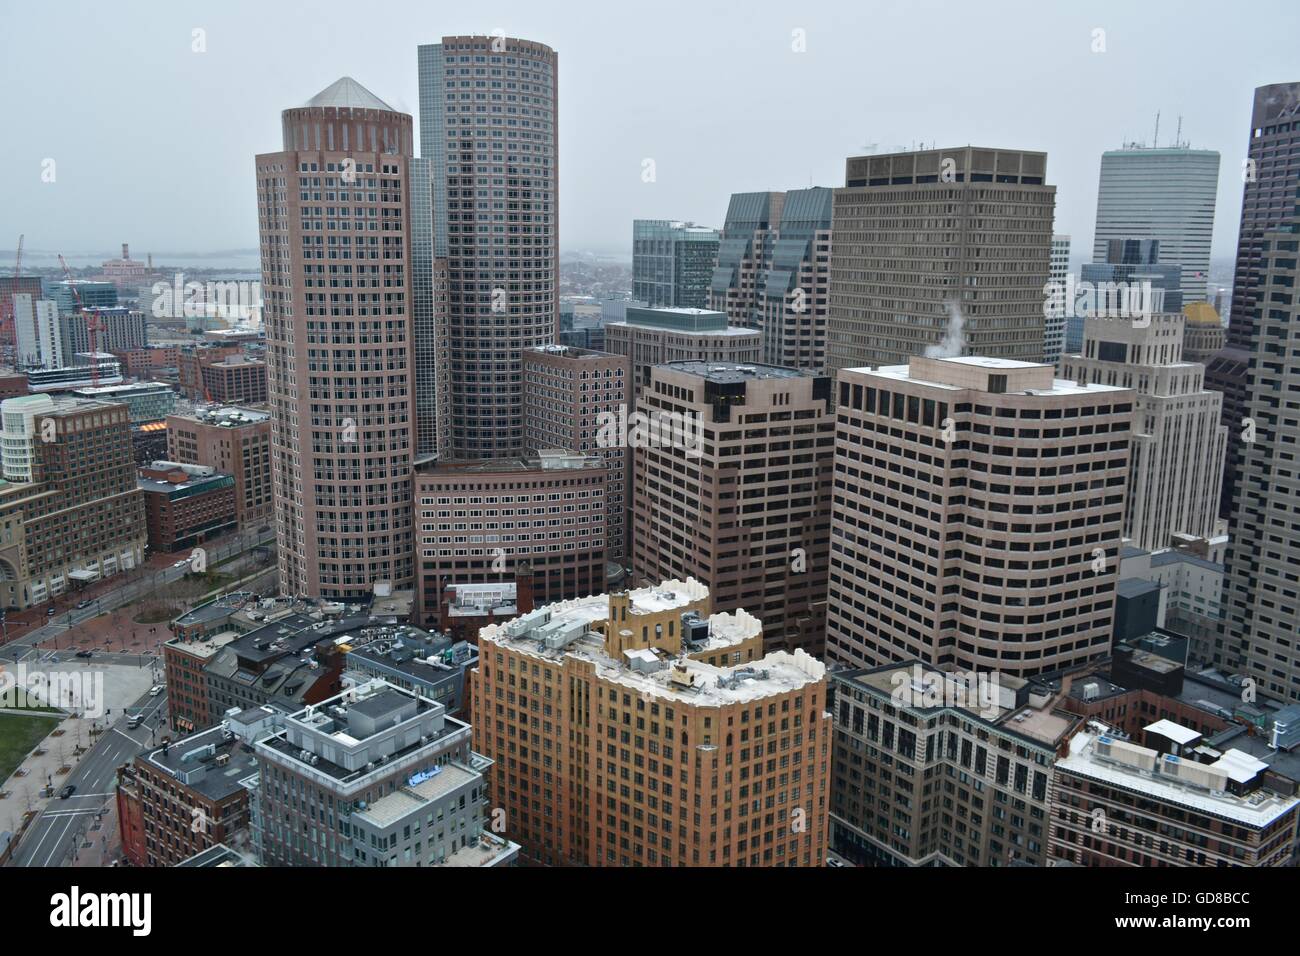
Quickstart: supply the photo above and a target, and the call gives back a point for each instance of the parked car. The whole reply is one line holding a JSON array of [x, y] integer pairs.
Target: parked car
[[82, 605], [67, 791], [84, 654], [50, 611]]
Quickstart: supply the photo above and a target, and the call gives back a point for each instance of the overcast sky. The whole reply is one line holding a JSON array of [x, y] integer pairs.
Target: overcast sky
[[154, 143]]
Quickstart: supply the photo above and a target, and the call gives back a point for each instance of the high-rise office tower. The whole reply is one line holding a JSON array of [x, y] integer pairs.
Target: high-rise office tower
[[334, 210], [1262, 599], [1176, 465], [569, 393], [1054, 330], [947, 249], [773, 272], [672, 263], [1271, 174], [1130, 268], [1166, 194], [742, 499], [643, 749], [979, 509], [488, 130]]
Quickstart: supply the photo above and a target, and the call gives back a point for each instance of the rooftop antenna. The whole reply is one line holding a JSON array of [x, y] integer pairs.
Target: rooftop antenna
[[1178, 137], [1155, 142]]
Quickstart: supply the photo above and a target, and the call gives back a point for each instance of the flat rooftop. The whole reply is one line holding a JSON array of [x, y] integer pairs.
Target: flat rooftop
[[726, 372], [488, 466], [960, 373], [1256, 809], [412, 798], [196, 757]]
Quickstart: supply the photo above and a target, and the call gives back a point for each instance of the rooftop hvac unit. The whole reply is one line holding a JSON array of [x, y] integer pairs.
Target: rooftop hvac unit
[[1091, 690]]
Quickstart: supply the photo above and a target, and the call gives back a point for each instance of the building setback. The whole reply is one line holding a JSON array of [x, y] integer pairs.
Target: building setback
[[773, 272], [339, 356], [943, 248], [1178, 444], [650, 337], [740, 498], [977, 516], [641, 730], [495, 202]]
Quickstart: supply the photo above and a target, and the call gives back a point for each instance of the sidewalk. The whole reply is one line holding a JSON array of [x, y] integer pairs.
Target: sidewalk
[[36, 782]]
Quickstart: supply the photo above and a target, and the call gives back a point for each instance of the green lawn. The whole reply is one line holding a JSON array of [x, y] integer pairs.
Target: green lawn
[[18, 735]]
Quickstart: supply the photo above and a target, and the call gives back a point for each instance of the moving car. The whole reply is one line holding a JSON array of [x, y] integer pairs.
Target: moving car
[[82, 605], [67, 791], [50, 612], [84, 654], [155, 690]]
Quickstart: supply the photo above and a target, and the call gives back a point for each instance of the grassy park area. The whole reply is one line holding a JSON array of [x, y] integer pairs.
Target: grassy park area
[[20, 733]]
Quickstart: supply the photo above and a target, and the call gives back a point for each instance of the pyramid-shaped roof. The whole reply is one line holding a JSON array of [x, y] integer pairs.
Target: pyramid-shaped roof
[[347, 92]]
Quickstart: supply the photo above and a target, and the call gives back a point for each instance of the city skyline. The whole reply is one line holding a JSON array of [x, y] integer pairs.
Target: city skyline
[[632, 114]]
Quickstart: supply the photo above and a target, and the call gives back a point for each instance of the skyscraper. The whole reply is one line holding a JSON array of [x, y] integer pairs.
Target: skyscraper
[[672, 263], [1262, 606], [1178, 444], [489, 134], [1271, 175], [773, 272], [1166, 194], [1120, 280], [978, 516], [943, 248], [742, 501], [1054, 331], [334, 210]]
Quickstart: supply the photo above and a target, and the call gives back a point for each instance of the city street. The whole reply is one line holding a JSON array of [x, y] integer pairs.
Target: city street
[[54, 837]]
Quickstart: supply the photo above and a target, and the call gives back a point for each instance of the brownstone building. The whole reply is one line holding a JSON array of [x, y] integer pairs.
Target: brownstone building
[[186, 505], [637, 729], [235, 441], [147, 362]]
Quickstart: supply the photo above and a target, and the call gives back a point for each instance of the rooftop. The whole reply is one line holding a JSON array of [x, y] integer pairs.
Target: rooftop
[[417, 795], [1256, 808], [736, 372], [543, 461], [211, 762]]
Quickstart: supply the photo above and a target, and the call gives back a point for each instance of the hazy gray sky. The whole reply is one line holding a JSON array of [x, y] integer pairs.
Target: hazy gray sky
[[154, 143]]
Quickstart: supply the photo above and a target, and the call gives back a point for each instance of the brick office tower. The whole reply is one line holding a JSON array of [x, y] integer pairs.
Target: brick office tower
[[334, 214], [489, 133], [641, 730], [743, 503], [978, 514], [915, 234], [567, 390]]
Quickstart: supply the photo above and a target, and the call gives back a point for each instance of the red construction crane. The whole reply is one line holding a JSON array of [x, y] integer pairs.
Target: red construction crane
[[92, 324]]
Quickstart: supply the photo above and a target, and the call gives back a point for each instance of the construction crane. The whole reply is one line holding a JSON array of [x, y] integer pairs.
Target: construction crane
[[92, 324]]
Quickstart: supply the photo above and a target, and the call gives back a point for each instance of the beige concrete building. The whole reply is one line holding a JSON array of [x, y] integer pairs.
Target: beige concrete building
[[977, 516], [482, 520], [235, 441], [942, 248], [1204, 334], [639, 729], [740, 498], [334, 216], [569, 393], [1176, 464], [650, 337]]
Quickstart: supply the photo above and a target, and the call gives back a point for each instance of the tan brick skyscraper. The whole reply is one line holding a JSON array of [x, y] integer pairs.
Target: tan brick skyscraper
[[334, 218]]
